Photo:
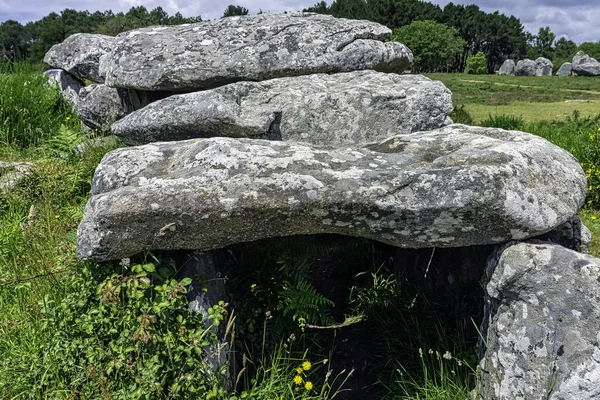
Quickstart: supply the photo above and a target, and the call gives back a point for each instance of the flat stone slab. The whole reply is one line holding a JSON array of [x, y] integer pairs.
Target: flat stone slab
[[542, 339], [455, 186], [344, 108], [79, 55], [259, 47]]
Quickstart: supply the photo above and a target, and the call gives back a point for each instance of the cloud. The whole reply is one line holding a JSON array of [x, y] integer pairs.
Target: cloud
[[575, 20]]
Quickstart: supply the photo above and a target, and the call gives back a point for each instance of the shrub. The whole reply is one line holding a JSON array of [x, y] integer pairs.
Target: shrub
[[476, 64], [508, 122], [129, 334], [460, 116]]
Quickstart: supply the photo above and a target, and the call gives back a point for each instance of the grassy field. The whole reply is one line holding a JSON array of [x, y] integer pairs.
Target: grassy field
[[77, 330], [535, 98]]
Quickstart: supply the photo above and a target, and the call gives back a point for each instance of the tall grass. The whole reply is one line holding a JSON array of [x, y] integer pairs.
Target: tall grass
[[30, 113], [578, 135]]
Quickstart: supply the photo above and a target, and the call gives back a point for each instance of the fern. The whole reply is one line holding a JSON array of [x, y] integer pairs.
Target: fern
[[65, 142], [298, 298]]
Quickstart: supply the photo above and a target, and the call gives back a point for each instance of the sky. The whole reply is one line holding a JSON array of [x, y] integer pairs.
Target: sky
[[575, 20]]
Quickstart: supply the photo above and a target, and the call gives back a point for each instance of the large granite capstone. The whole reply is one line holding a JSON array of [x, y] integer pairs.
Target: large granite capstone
[[79, 55], [542, 316], [344, 108], [210, 54], [455, 186]]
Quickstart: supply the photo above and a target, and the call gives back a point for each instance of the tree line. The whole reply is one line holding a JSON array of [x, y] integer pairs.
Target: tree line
[[32, 40], [442, 39]]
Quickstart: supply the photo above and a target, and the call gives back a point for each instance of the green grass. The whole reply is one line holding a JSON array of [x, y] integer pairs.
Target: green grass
[[505, 89], [531, 112]]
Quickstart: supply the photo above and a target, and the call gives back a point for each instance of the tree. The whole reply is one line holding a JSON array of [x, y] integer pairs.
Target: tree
[[433, 45], [14, 41], [564, 48], [476, 64], [543, 42], [592, 49], [232, 10]]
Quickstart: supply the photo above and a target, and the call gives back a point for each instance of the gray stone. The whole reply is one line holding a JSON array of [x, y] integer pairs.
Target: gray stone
[[573, 235], [99, 106], [541, 327], [12, 173], [79, 55], [507, 68], [210, 54], [207, 272], [564, 70], [526, 67], [543, 67], [344, 108], [585, 65], [67, 84], [451, 187]]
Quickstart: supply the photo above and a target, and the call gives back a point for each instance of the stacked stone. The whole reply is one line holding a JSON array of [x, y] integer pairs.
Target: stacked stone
[[275, 125]]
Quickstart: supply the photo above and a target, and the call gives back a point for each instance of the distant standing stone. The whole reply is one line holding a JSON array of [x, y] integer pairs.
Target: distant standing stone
[[507, 68], [564, 70], [585, 65], [526, 67], [543, 67], [259, 47]]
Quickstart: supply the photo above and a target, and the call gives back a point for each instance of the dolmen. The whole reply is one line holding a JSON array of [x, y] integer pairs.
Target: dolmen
[[267, 126]]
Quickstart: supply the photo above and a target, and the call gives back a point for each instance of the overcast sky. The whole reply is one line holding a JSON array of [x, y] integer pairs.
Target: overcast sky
[[578, 20]]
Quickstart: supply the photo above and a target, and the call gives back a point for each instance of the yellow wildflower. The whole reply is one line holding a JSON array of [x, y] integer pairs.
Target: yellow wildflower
[[306, 365], [57, 216], [308, 385], [68, 118], [593, 217], [297, 379], [299, 370]]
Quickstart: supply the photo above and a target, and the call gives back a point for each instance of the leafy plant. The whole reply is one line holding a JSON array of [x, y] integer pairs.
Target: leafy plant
[[132, 336], [476, 64]]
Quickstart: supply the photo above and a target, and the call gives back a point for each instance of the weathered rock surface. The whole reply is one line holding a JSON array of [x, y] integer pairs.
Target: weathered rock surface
[[526, 67], [543, 339], [564, 70], [344, 108], [455, 186], [507, 68], [79, 55], [573, 235], [68, 85], [259, 47], [543, 67], [99, 106], [585, 65], [11, 174]]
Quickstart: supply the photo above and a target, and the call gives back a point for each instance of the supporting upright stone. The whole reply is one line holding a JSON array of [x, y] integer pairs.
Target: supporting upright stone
[[541, 327]]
